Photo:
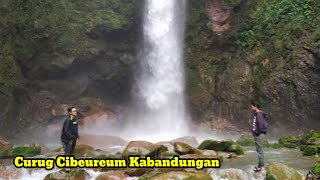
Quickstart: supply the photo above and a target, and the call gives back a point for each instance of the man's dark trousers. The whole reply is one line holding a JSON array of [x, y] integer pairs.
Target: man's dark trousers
[[69, 147]]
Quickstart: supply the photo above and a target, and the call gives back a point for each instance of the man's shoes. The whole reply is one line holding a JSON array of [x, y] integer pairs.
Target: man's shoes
[[257, 169]]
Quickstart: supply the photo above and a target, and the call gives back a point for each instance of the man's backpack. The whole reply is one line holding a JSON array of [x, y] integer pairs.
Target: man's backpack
[[265, 122]]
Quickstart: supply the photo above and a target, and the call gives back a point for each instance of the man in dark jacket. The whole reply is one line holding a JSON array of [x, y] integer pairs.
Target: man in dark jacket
[[259, 131], [69, 135]]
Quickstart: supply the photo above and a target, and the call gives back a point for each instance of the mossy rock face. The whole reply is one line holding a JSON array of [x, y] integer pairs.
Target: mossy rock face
[[311, 137], [182, 148], [290, 141], [142, 148], [246, 140], [311, 150], [276, 146], [168, 154], [83, 150], [236, 149], [27, 151], [5, 152], [215, 145], [281, 171], [197, 175], [316, 168], [77, 174]]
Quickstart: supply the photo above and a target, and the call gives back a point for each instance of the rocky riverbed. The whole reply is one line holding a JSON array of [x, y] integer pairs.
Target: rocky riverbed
[[237, 159]]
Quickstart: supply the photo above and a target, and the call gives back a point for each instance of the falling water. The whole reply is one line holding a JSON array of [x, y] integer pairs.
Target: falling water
[[160, 110]]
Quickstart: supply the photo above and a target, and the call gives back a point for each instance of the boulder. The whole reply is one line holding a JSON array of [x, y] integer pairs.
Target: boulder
[[9, 172], [5, 143], [281, 171], [176, 175], [276, 146], [227, 146], [83, 150], [230, 174], [215, 145], [182, 148], [247, 140], [206, 152], [143, 148], [112, 175], [311, 150], [290, 141], [199, 156], [236, 149], [76, 174], [5, 148], [134, 172], [311, 137], [316, 168], [190, 140], [5, 152]]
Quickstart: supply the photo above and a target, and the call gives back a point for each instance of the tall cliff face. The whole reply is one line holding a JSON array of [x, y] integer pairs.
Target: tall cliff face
[[243, 51], [61, 51]]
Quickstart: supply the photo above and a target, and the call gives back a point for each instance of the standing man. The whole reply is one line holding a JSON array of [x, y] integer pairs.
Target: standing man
[[69, 135], [259, 130]]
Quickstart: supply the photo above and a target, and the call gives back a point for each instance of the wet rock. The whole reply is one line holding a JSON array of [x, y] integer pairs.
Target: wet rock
[[316, 168], [227, 146], [83, 150], [182, 148], [9, 172], [311, 150], [276, 145], [142, 148], [5, 143], [280, 171], [5, 148], [134, 172], [199, 156], [247, 140], [311, 137], [177, 175], [290, 141], [206, 152], [235, 149], [113, 175], [76, 174], [231, 174], [215, 145], [190, 140], [5, 152]]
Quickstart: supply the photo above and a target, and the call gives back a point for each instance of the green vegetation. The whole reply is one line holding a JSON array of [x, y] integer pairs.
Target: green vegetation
[[316, 168], [51, 30], [290, 141], [227, 146], [26, 151]]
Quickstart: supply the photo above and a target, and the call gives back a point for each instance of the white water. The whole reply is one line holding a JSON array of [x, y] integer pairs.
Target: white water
[[160, 112]]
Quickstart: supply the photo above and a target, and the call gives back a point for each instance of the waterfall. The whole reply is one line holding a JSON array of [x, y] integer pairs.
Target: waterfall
[[161, 110]]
